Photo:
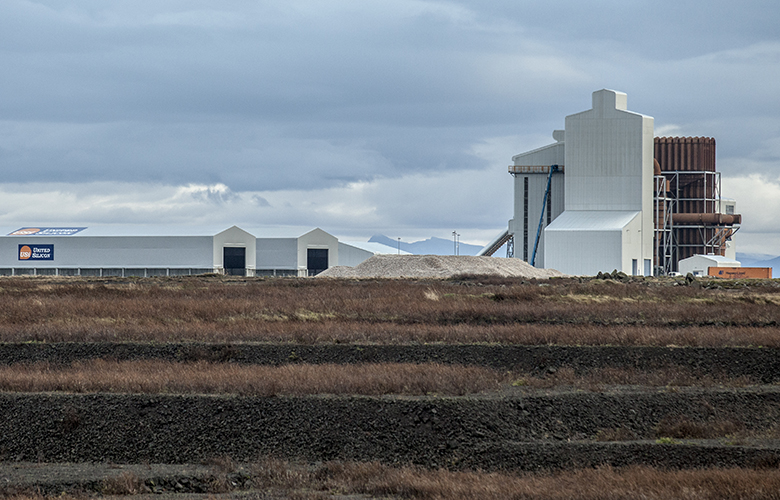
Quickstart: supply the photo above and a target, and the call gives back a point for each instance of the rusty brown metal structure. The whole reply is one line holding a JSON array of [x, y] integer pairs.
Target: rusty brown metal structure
[[687, 200]]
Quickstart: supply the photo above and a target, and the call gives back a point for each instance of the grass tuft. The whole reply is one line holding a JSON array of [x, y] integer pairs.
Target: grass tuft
[[126, 483], [681, 427]]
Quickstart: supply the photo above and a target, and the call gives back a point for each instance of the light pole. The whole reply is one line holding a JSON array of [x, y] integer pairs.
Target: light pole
[[454, 243], [399, 245]]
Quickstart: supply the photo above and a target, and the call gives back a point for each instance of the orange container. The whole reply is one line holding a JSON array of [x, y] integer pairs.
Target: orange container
[[740, 272]]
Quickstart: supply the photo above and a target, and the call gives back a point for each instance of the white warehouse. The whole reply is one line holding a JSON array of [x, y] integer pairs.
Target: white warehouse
[[86, 251]]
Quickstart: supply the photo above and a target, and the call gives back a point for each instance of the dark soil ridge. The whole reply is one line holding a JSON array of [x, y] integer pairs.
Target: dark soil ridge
[[525, 433], [79, 478], [53, 479], [759, 363]]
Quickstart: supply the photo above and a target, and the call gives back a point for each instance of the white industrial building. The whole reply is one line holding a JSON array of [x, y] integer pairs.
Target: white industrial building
[[601, 217], [533, 213], [699, 265], [87, 251], [608, 195], [295, 253]]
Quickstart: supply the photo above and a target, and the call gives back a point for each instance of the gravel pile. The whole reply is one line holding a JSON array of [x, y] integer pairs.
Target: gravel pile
[[437, 266]]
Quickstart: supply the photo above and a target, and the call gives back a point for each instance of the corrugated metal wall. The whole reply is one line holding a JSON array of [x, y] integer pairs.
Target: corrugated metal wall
[[688, 163], [690, 155], [685, 153]]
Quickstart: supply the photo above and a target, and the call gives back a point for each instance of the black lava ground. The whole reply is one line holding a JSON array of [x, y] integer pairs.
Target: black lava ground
[[513, 431], [758, 363], [526, 433]]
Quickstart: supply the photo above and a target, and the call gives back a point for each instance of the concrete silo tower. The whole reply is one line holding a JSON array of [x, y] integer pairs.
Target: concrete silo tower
[[584, 203], [608, 221]]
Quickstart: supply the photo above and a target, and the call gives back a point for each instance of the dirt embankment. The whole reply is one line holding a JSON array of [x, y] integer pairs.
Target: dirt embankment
[[517, 426], [511, 430], [529, 433], [760, 364]]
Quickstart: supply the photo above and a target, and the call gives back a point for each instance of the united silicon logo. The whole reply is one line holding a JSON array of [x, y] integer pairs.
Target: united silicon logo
[[25, 252], [36, 252]]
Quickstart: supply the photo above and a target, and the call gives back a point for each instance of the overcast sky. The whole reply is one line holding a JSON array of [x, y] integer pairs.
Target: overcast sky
[[361, 117]]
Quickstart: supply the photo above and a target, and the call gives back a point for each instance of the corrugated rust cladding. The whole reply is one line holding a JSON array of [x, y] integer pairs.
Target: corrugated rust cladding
[[694, 159], [689, 154], [685, 153]]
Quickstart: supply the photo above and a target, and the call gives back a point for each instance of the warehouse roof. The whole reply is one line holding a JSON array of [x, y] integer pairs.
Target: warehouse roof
[[111, 230], [718, 260], [140, 230], [592, 220], [281, 231]]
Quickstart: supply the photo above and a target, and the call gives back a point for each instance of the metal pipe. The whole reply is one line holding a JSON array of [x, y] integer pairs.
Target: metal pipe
[[707, 218]]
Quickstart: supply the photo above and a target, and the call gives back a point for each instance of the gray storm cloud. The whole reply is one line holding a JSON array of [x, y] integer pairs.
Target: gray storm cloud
[[422, 102]]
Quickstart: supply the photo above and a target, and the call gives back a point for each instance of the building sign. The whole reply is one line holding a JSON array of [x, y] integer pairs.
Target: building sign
[[46, 231], [36, 252]]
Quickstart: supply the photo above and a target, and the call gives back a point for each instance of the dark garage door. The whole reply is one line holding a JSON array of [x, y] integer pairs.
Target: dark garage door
[[316, 260], [234, 261]]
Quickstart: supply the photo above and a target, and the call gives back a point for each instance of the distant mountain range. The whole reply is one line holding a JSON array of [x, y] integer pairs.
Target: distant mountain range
[[431, 246]]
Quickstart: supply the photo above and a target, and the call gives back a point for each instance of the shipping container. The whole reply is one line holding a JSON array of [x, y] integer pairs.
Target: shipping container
[[740, 272]]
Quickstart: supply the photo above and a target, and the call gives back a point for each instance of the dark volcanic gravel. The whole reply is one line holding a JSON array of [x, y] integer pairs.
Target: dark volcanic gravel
[[509, 430], [470, 432], [761, 364]]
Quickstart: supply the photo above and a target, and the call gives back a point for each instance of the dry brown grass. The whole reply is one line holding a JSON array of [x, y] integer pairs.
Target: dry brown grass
[[324, 311], [674, 427], [681, 427], [156, 377], [281, 479], [127, 483], [616, 434], [599, 379], [588, 484]]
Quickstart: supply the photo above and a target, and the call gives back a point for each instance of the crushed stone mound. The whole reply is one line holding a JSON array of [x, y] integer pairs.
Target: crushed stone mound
[[437, 266]]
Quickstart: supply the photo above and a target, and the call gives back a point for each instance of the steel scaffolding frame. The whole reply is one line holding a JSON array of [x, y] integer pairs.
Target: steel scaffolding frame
[[687, 192], [664, 206]]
